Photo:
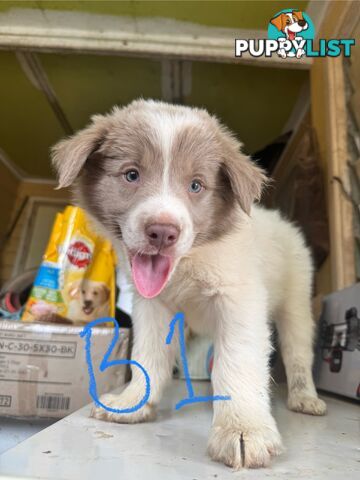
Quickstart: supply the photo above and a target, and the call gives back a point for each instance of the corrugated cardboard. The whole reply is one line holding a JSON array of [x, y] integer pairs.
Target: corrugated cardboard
[[43, 371]]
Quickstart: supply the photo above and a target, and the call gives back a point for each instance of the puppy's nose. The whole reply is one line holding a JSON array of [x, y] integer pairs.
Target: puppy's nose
[[302, 23], [162, 235], [87, 303]]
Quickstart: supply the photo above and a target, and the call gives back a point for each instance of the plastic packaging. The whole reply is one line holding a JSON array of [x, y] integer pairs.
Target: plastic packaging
[[75, 283]]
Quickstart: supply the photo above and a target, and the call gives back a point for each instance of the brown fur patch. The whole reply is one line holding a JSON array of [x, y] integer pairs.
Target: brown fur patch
[[196, 154], [69, 155]]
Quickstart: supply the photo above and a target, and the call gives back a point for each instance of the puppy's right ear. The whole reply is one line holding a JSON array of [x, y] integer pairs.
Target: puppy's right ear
[[69, 155]]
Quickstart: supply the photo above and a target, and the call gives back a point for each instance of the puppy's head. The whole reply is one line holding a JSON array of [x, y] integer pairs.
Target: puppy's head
[[90, 294], [161, 178], [290, 23]]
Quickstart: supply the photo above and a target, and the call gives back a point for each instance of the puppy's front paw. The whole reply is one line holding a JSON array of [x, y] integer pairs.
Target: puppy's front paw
[[305, 403], [300, 52], [123, 401], [239, 448]]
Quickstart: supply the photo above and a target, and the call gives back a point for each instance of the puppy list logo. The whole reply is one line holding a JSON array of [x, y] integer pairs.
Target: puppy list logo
[[291, 29], [291, 34]]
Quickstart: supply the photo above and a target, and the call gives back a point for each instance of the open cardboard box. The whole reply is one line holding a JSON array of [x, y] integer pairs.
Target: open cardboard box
[[43, 369]]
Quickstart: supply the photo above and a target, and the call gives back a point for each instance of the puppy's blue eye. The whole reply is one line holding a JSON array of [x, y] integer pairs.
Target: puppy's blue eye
[[195, 186], [132, 176]]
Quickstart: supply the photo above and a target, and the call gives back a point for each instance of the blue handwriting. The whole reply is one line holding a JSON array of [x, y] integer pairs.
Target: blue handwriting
[[179, 319]]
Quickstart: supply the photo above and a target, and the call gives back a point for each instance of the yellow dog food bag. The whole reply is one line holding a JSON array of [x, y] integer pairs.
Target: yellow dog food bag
[[76, 279]]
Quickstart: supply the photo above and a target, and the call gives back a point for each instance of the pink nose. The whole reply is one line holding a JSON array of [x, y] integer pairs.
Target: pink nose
[[162, 235]]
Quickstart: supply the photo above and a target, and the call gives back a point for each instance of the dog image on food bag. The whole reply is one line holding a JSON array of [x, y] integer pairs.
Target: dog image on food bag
[[88, 300], [170, 186]]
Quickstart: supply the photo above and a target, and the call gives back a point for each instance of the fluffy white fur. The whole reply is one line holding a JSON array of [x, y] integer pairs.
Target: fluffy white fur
[[231, 289]]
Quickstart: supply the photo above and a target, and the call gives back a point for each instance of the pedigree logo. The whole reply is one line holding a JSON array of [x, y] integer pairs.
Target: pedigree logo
[[79, 254], [291, 34]]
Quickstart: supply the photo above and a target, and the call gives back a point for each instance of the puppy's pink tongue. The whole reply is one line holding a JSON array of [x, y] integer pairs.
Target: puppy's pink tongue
[[150, 273]]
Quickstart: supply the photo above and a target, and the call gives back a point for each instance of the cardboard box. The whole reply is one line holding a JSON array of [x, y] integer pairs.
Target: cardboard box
[[43, 369], [337, 366]]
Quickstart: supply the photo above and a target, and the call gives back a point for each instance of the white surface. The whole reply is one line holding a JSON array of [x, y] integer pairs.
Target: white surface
[[13, 431], [174, 446]]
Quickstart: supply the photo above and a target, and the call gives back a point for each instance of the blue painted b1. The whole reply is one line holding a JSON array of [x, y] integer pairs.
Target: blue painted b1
[[106, 363]]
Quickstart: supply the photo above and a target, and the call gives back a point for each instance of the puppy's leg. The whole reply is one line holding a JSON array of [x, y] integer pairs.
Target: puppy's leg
[[244, 433], [151, 321], [295, 326]]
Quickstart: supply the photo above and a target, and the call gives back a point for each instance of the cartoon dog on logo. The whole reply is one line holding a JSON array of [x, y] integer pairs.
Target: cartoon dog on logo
[[291, 24]]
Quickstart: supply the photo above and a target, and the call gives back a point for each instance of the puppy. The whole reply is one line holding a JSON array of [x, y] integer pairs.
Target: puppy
[[290, 24], [87, 301], [171, 188]]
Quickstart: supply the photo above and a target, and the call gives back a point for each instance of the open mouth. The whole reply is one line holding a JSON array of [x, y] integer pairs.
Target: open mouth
[[291, 35], [88, 310], [150, 273]]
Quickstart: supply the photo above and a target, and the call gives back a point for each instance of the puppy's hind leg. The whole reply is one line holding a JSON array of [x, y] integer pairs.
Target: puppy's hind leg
[[296, 327]]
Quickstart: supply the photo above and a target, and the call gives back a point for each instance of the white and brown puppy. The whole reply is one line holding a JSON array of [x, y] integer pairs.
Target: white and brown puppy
[[172, 189]]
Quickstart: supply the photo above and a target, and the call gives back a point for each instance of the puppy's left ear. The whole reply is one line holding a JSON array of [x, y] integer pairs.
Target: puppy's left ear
[[69, 155], [246, 178]]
